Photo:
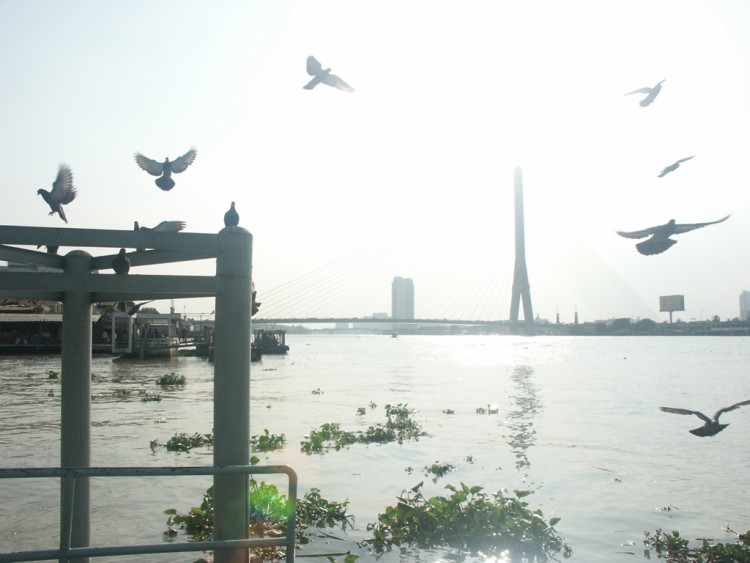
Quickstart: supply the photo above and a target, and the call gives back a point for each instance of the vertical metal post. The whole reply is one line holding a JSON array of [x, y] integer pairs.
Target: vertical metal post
[[75, 394], [232, 388]]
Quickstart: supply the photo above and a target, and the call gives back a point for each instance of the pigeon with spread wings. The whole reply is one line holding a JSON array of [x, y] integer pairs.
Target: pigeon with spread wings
[[62, 192], [165, 169], [660, 241], [651, 93], [315, 69], [674, 166], [711, 427], [163, 227]]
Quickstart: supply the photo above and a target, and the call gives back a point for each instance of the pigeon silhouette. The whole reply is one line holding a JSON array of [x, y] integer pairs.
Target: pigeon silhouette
[[231, 217], [135, 307], [165, 169], [315, 69], [660, 241], [50, 249], [62, 192], [711, 427], [164, 227], [652, 93], [120, 263], [673, 167]]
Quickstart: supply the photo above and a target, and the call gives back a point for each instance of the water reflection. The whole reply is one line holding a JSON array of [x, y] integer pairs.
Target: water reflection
[[520, 421]]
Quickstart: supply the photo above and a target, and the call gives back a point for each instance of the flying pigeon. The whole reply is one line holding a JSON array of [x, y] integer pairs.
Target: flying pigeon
[[62, 192], [673, 167], [164, 227], [165, 169], [315, 69], [652, 93], [660, 241], [710, 427], [135, 307], [120, 263], [231, 217]]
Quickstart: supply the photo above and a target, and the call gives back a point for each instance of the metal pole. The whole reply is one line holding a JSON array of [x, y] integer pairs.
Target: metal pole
[[232, 388], [75, 421]]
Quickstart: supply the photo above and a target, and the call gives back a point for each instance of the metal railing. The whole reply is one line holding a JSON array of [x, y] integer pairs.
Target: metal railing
[[68, 476]]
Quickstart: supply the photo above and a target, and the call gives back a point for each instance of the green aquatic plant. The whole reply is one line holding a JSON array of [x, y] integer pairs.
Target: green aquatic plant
[[150, 398], [449, 411], [470, 520], [488, 410], [674, 547], [361, 411], [317, 391], [267, 512], [438, 470], [267, 442], [185, 442], [52, 374], [171, 380], [399, 426]]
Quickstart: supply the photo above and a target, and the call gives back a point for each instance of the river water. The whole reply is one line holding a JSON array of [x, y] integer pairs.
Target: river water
[[577, 423]]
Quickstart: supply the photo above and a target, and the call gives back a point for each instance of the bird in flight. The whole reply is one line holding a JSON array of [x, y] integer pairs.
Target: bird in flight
[[231, 217], [164, 227], [711, 427], [62, 192], [660, 241], [135, 307], [652, 93], [674, 166], [120, 263], [315, 69], [165, 169]]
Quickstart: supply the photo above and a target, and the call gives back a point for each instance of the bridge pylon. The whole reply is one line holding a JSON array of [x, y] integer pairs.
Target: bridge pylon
[[521, 289]]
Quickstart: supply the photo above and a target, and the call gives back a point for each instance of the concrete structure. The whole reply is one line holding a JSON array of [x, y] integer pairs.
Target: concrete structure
[[745, 305], [521, 290], [80, 284], [402, 298]]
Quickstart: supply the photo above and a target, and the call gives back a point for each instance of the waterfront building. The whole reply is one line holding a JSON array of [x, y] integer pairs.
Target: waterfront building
[[745, 305], [402, 298]]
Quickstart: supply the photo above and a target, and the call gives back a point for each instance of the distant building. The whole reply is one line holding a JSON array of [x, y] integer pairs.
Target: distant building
[[745, 306], [402, 298]]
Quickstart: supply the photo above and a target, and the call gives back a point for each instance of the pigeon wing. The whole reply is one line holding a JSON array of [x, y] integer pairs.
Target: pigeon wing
[[169, 226], [336, 82], [151, 166], [313, 66], [686, 411], [180, 164], [731, 408], [62, 188], [691, 226], [645, 90], [685, 159], [636, 234]]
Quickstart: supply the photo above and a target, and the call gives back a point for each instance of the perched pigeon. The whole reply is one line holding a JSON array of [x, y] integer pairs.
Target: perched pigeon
[[711, 427], [231, 217], [165, 169], [652, 93], [62, 192], [120, 263], [675, 166], [660, 241], [315, 69], [135, 307], [164, 227], [50, 249]]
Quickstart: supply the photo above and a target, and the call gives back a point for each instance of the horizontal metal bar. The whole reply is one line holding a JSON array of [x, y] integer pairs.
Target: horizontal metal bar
[[26, 256], [46, 472], [149, 257]]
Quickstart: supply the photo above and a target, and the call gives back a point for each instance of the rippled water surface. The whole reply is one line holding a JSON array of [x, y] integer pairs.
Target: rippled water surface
[[577, 423]]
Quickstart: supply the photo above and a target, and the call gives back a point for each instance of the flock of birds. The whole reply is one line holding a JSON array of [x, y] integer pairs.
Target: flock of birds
[[63, 193], [659, 242], [660, 235]]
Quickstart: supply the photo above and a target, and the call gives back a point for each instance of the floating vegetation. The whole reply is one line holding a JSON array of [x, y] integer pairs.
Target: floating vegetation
[[488, 410], [52, 374], [171, 380], [150, 398], [438, 470], [470, 520], [51, 393], [267, 442], [121, 393], [399, 426], [469, 459], [373, 405], [449, 411], [317, 391], [184, 442], [673, 547], [361, 411], [268, 510]]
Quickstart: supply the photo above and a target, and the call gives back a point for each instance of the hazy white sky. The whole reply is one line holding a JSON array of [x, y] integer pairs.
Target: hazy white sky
[[412, 174]]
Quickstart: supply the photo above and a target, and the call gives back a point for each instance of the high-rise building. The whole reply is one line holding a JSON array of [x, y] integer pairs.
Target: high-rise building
[[402, 298], [745, 305]]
